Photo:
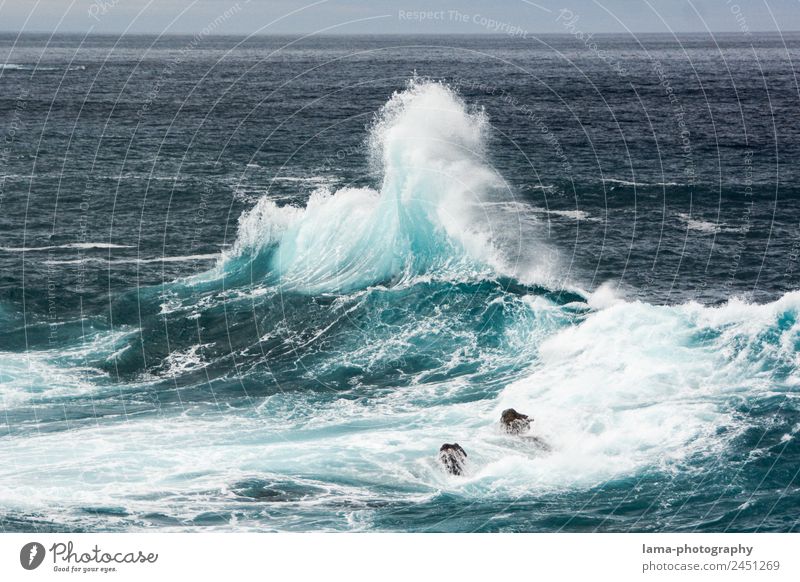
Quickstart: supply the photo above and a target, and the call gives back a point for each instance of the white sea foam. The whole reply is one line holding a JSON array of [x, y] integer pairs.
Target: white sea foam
[[81, 245], [633, 389], [638, 386], [44, 374], [134, 260], [705, 226], [604, 296], [303, 180], [182, 362], [32, 375], [429, 213], [623, 182], [578, 215], [36, 67]]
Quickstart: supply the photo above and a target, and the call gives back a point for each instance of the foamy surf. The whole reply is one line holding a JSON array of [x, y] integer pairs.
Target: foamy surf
[[434, 211], [308, 379]]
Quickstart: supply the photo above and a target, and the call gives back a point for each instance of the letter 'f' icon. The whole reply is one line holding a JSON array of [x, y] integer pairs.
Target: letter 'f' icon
[[31, 555]]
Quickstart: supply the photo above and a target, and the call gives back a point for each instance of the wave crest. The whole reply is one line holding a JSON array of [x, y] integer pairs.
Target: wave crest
[[427, 216]]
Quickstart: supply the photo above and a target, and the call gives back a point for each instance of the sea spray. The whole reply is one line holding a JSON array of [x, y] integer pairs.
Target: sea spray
[[244, 398], [429, 215]]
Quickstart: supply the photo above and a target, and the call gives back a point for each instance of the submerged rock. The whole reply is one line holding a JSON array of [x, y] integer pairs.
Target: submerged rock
[[514, 422], [452, 457], [539, 443]]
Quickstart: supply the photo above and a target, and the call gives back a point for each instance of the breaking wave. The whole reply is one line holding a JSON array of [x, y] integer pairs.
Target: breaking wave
[[433, 213], [336, 345]]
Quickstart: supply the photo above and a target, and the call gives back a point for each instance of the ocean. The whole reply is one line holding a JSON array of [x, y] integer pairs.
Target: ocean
[[253, 284]]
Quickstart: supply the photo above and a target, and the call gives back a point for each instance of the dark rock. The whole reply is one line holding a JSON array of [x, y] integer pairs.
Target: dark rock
[[515, 423], [453, 457]]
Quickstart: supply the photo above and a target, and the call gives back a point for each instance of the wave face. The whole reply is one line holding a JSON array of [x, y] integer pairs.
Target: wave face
[[427, 218], [299, 368]]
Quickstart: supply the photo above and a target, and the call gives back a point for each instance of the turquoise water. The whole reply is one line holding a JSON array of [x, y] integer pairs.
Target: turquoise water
[[249, 301]]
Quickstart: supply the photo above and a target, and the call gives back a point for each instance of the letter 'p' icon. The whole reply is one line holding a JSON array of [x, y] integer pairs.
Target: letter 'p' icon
[[31, 555]]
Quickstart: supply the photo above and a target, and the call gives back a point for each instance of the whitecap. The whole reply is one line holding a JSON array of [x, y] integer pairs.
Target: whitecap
[[81, 245]]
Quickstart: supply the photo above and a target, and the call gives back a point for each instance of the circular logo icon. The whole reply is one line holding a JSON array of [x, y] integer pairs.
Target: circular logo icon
[[31, 555]]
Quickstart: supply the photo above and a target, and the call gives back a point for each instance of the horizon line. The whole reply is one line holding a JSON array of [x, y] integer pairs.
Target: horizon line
[[371, 34]]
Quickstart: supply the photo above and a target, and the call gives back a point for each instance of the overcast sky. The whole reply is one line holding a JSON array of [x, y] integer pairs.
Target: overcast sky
[[397, 16]]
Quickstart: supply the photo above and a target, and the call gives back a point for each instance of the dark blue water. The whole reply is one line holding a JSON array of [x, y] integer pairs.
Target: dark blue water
[[255, 284]]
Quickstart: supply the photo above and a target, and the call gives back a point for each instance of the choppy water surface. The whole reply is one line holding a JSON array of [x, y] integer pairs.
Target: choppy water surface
[[255, 285]]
